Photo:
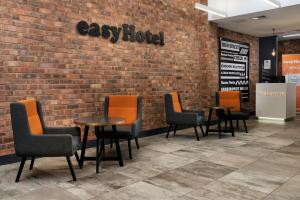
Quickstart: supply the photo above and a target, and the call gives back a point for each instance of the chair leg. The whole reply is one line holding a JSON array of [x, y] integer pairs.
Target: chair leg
[[169, 129], [175, 129], [237, 124], [119, 152], [245, 125], [97, 155], [102, 149], [225, 124], [129, 148], [219, 123], [231, 127], [111, 143], [71, 168], [137, 143], [219, 128], [20, 169], [203, 134], [31, 163], [196, 132], [78, 159]]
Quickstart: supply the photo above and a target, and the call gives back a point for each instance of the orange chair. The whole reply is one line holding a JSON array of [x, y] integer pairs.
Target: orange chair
[[233, 99], [130, 109]]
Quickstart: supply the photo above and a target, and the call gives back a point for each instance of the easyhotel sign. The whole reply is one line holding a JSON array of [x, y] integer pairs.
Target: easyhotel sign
[[113, 33]]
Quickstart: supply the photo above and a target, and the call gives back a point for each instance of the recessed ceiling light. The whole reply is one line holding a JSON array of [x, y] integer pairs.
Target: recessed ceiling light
[[274, 3], [210, 10], [259, 17], [291, 35]]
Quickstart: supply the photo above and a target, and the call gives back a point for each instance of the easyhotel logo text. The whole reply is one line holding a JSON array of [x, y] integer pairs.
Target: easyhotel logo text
[[113, 33]]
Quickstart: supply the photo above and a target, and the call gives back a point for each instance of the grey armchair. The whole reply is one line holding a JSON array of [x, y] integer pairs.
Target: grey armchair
[[176, 115], [128, 108], [32, 138]]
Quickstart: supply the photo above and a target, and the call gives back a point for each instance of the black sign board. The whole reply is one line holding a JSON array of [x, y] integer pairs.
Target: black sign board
[[234, 67]]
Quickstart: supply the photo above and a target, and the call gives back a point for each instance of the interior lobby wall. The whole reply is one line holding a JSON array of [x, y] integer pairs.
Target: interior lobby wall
[[212, 70], [43, 56]]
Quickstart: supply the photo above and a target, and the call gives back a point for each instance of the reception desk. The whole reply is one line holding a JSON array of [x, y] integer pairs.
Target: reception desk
[[276, 101]]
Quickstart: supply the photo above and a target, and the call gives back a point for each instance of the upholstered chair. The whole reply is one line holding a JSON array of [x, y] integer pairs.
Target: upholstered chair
[[33, 139], [129, 108], [233, 99], [176, 115]]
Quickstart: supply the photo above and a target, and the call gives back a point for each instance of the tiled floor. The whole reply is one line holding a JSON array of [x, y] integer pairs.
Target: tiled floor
[[263, 164]]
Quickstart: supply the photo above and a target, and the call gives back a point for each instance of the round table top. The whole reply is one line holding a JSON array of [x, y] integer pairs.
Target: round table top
[[99, 121], [219, 107], [222, 107]]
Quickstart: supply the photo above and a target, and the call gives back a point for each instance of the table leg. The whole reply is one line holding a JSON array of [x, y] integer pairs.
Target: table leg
[[230, 121], [208, 121], [219, 128], [102, 149], [85, 137], [97, 149], [118, 146]]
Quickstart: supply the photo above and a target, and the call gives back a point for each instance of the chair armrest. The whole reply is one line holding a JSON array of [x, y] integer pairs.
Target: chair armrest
[[50, 145], [200, 112], [245, 110], [136, 128], [74, 131]]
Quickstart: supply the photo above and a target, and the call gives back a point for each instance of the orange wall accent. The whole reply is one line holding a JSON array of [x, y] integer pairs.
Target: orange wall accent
[[291, 65]]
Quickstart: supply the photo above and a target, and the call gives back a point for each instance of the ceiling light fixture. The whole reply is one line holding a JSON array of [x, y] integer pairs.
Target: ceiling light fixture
[[210, 10], [273, 53], [274, 3], [291, 35]]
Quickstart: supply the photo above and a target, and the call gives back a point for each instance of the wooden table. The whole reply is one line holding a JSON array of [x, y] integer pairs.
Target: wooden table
[[219, 130], [97, 122]]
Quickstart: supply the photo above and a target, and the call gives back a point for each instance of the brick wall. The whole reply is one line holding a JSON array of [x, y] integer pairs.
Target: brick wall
[[43, 56], [287, 47]]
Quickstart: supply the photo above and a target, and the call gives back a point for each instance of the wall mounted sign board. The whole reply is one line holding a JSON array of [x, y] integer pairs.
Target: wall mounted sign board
[[113, 33], [234, 67], [267, 64]]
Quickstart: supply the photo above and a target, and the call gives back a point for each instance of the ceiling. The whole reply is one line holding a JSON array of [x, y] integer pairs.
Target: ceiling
[[285, 20], [241, 7]]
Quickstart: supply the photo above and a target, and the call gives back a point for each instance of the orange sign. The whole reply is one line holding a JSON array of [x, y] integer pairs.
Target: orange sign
[[291, 71]]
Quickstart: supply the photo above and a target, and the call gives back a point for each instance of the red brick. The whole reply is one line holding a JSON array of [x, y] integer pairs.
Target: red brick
[[42, 56]]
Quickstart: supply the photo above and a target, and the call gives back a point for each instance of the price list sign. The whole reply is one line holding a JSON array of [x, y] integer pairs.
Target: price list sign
[[234, 67]]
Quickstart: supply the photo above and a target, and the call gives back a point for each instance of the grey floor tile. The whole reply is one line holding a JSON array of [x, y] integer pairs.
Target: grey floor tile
[[49, 193], [207, 169], [288, 191], [179, 181], [262, 175], [140, 191], [265, 163], [227, 191]]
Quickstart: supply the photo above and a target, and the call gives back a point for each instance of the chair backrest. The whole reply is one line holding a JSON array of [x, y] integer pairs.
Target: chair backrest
[[229, 99], [26, 120], [123, 106], [33, 117], [176, 102]]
